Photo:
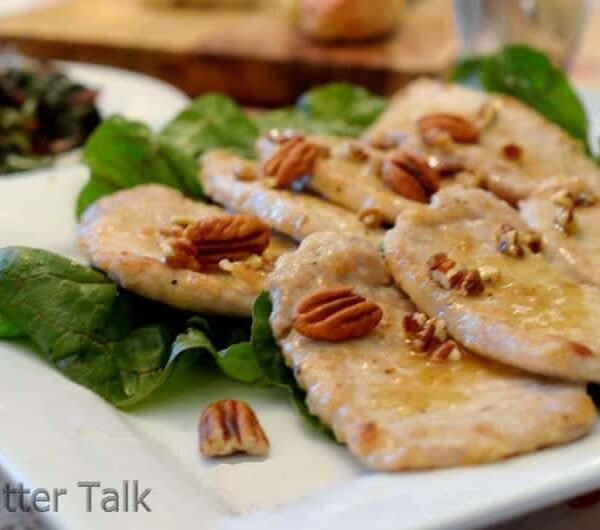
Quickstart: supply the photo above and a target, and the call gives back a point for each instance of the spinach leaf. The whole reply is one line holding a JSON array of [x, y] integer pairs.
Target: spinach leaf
[[123, 153], [8, 330], [115, 344], [337, 109], [257, 361], [212, 120], [529, 76], [342, 102]]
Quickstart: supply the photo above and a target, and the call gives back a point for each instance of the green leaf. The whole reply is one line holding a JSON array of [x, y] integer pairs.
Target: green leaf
[[466, 71], [286, 118], [9, 330], [123, 154], [107, 340], [529, 76], [257, 361], [342, 102], [260, 361], [337, 109], [239, 362], [211, 121]]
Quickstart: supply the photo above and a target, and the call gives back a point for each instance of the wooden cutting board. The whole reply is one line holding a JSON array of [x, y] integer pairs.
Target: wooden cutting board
[[256, 57]]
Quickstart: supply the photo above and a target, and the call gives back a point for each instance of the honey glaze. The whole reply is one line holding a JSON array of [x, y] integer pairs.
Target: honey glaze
[[417, 385]]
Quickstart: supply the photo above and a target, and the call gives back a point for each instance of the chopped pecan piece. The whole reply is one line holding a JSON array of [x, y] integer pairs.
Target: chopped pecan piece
[[512, 152], [429, 336], [372, 217], [336, 315], [487, 114], [445, 165], [488, 273], [508, 242], [564, 220], [229, 426], [245, 172], [410, 176], [472, 284], [353, 151], [448, 351], [201, 245], [385, 141], [458, 128], [585, 198], [563, 198], [293, 160], [444, 272], [512, 243]]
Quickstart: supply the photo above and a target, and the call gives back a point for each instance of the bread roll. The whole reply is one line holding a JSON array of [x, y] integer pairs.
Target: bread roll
[[347, 19]]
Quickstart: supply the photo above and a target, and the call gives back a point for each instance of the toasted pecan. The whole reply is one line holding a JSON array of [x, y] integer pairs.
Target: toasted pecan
[[429, 336], [513, 243], [410, 176], [445, 272], [336, 315], [460, 129], [292, 160], [230, 426], [201, 245]]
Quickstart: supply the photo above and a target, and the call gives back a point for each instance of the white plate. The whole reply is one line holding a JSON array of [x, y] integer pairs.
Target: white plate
[[133, 95], [54, 433]]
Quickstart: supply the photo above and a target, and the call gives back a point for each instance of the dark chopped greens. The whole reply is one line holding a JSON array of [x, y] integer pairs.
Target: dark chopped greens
[[529, 76], [42, 113]]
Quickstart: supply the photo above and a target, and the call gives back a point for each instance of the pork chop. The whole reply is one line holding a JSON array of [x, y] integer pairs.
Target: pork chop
[[397, 409], [576, 244], [120, 234], [294, 214], [529, 314], [516, 149]]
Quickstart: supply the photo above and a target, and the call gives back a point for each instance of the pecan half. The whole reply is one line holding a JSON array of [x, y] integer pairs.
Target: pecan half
[[229, 426], [410, 176], [429, 336], [293, 160], [335, 315], [460, 129], [202, 244], [513, 243], [444, 271]]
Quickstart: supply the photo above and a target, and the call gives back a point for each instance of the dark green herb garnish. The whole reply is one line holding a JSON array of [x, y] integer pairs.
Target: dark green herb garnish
[[42, 114]]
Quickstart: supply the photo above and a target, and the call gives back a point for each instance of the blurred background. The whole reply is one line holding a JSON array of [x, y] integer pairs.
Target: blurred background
[[266, 52]]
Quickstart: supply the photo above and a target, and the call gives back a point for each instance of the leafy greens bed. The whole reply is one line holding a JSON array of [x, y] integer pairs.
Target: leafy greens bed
[[124, 347]]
